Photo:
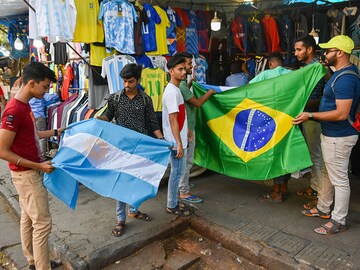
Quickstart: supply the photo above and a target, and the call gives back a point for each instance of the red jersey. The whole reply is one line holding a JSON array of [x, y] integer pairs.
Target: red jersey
[[19, 118]]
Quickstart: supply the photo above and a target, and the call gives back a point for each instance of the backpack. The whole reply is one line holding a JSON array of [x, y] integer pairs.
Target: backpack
[[355, 124], [141, 93]]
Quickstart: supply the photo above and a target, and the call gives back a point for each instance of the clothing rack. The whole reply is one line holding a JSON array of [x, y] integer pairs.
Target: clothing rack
[[72, 48]]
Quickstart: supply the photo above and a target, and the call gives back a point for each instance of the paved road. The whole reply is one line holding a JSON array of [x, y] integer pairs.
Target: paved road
[[275, 236]]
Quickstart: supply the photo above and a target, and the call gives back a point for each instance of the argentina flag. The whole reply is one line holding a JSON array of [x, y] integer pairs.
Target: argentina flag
[[218, 89], [111, 160]]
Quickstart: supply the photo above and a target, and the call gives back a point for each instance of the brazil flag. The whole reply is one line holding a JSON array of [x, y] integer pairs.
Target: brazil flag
[[247, 132]]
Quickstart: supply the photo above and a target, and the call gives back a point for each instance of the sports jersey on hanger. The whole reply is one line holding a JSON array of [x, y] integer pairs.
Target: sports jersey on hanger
[[181, 30], [191, 33], [175, 21], [153, 80], [159, 61], [111, 68], [88, 28], [200, 70], [143, 19], [271, 34], [148, 30], [161, 43], [144, 61], [118, 18], [56, 20]]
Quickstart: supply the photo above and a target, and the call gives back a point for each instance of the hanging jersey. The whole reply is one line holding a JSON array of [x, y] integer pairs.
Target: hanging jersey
[[175, 21], [111, 68], [161, 33], [148, 30], [271, 34], [56, 20], [200, 69], [181, 30], [191, 34], [69, 76], [88, 28], [144, 61], [142, 18], [204, 20], [118, 19], [97, 55], [159, 61], [153, 80]]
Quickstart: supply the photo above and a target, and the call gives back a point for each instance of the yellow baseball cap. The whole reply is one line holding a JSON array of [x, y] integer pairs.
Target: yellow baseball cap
[[341, 42]]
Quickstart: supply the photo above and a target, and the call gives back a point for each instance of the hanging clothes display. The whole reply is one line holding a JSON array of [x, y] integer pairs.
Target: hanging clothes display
[[148, 30], [153, 80], [111, 68], [55, 20], [88, 28], [160, 33], [118, 18]]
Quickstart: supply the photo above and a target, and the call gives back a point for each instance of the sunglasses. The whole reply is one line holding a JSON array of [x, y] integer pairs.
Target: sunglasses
[[329, 51]]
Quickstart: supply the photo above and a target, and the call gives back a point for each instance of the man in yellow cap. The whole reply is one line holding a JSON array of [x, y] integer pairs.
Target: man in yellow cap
[[341, 95]]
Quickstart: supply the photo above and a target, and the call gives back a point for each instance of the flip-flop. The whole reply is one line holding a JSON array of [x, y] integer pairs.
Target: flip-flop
[[191, 199]]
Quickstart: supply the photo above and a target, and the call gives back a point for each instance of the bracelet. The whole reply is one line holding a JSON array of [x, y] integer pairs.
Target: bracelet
[[55, 132], [18, 162]]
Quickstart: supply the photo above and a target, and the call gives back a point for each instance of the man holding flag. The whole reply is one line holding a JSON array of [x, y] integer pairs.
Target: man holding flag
[[338, 137], [134, 110], [18, 145]]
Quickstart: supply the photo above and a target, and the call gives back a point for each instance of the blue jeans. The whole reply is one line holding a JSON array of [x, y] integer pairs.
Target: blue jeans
[[177, 171], [121, 210], [184, 187]]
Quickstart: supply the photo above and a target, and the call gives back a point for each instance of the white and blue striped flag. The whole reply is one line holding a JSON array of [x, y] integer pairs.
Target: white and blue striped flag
[[217, 88], [111, 160]]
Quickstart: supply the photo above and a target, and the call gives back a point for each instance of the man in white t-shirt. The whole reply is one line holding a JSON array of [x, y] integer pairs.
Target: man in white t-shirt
[[175, 129]]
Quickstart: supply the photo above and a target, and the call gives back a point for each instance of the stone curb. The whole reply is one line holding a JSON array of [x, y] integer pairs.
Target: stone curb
[[257, 253]]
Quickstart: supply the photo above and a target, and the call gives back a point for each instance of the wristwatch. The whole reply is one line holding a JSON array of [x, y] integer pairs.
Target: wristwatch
[[311, 116]]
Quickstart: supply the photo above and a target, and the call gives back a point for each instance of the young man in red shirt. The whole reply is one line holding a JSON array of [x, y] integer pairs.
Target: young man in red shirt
[[18, 145]]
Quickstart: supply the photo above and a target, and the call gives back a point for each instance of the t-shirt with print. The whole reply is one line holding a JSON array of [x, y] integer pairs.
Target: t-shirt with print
[[161, 42], [88, 28], [181, 30], [153, 80], [143, 19], [118, 19], [173, 102], [19, 118], [148, 30], [190, 109], [175, 21], [192, 39]]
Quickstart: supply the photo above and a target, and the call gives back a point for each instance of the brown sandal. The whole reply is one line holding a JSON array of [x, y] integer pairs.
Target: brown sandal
[[140, 216], [118, 229], [310, 204], [307, 192]]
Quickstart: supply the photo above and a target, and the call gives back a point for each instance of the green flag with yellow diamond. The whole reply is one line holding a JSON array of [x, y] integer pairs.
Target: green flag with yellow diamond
[[247, 132]]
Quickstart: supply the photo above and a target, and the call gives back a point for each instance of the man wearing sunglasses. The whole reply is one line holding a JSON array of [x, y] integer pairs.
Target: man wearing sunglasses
[[338, 136]]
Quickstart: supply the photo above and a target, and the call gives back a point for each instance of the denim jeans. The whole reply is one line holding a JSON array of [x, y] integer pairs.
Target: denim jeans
[[177, 171], [336, 152], [184, 181], [312, 131], [121, 210]]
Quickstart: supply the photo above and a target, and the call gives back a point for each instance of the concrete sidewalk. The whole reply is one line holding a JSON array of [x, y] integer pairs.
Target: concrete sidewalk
[[273, 235]]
